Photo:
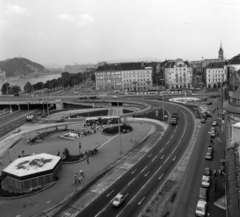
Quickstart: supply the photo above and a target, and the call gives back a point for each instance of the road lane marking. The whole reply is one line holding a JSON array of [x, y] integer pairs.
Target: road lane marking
[[174, 158], [144, 168], [154, 158], [147, 173], [160, 177], [131, 181], [162, 157], [161, 150], [139, 203], [172, 136], [167, 143], [150, 155], [134, 171], [110, 193]]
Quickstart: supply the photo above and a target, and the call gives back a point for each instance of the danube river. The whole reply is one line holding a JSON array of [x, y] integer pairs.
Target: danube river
[[31, 78]]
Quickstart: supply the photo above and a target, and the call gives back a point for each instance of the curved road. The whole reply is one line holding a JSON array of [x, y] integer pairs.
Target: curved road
[[143, 179]]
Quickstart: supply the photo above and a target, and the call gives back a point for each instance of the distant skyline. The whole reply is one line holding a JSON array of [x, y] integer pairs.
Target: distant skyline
[[65, 32]]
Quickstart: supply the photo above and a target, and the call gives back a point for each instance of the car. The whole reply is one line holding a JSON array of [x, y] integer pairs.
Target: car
[[205, 181], [210, 149], [17, 130], [208, 155], [201, 208], [209, 103], [203, 120], [213, 134], [207, 171], [118, 200], [214, 123]]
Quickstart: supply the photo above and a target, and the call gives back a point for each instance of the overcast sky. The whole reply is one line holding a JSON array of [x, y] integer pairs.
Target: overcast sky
[[88, 31]]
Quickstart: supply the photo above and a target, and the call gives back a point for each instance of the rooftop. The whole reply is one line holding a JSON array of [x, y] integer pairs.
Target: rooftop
[[32, 164]]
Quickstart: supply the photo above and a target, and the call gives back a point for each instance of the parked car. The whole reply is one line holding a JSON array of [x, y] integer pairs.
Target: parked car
[[209, 103], [213, 135], [214, 123], [205, 181], [208, 155], [207, 171], [203, 120], [201, 208], [118, 200], [213, 129], [203, 194]]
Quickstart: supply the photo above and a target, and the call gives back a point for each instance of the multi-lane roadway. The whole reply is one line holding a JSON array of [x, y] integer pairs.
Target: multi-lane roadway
[[12, 121], [142, 180]]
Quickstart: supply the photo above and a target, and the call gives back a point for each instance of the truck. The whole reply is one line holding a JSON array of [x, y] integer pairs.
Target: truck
[[118, 200], [174, 119]]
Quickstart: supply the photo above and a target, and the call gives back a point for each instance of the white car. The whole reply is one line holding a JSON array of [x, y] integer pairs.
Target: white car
[[17, 130], [214, 123], [205, 181], [201, 208], [118, 200]]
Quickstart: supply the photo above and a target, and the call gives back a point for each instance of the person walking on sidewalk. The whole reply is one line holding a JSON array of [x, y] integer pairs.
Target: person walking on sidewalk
[[81, 173]]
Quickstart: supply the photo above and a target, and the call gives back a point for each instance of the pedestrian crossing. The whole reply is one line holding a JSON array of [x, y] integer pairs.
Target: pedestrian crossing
[[126, 166], [100, 188]]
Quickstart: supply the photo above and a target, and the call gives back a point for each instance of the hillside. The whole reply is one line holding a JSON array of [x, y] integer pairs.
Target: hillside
[[20, 66]]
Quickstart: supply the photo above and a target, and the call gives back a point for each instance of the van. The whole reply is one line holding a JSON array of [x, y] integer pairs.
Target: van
[[203, 194]]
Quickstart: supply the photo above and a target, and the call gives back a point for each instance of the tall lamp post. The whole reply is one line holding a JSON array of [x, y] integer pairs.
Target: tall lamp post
[[162, 79], [119, 128]]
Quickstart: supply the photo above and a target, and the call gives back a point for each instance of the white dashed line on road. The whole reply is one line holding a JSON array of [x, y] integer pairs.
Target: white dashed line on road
[[154, 158], [131, 181], [162, 157], [144, 168]]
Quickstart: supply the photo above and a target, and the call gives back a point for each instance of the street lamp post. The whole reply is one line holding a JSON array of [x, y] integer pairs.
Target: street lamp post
[[119, 128], [163, 99]]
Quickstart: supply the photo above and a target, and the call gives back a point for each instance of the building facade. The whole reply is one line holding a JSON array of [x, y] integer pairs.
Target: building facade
[[178, 74], [215, 74], [124, 76], [231, 121]]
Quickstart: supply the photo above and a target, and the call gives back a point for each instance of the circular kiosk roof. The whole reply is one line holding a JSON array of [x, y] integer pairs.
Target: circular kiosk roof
[[32, 165]]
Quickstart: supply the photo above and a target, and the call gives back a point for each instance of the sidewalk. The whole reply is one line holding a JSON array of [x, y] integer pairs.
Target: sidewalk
[[107, 155]]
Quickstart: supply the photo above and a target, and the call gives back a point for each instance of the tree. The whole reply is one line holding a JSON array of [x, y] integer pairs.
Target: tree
[[15, 89], [38, 86], [5, 88], [28, 87]]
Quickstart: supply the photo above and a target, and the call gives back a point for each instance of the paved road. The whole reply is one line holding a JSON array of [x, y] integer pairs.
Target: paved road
[[144, 177], [12, 121], [186, 202]]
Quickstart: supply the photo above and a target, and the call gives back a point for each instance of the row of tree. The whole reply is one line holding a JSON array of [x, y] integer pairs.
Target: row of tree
[[66, 80]]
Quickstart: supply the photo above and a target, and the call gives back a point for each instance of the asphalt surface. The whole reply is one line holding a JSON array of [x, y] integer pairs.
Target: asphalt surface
[[12, 121], [140, 182], [187, 198]]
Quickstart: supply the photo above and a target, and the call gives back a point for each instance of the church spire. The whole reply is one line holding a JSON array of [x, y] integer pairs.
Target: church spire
[[220, 52]]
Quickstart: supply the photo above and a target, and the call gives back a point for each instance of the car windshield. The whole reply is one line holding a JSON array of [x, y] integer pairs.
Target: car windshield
[[200, 209], [117, 199]]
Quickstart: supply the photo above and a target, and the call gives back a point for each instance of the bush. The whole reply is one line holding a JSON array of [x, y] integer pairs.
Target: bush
[[115, 129]]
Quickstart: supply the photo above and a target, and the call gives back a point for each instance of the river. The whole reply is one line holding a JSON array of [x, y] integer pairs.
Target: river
[[31, 78]]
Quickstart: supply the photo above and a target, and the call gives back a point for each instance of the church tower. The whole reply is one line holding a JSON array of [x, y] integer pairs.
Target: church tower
[[220, 52]]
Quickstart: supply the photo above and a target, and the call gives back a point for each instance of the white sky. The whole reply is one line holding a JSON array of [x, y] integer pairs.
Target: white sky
[[87, 31]]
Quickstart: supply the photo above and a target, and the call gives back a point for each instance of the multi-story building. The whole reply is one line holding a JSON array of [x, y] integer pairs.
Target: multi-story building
[[215, 74], [178, 74], [231, 123], [124, 76]]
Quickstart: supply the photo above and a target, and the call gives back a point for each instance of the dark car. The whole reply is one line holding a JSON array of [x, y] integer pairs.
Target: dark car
[[207, 171], [209, 103]]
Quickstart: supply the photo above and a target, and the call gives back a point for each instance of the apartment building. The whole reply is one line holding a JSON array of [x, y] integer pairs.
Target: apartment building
[[214, 74], [124, 76], [178, 74]]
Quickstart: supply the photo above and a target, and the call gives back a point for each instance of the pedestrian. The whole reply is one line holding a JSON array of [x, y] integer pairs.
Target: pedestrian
[[79, 179], [219, 171], [81, 173], [88, 160]]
